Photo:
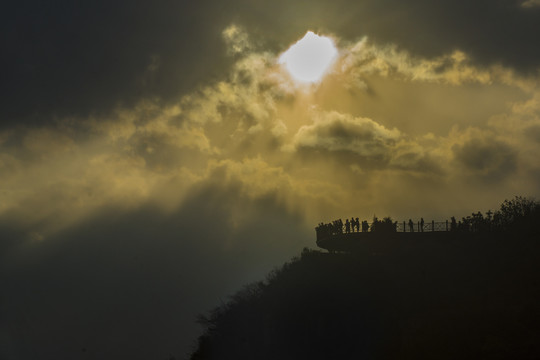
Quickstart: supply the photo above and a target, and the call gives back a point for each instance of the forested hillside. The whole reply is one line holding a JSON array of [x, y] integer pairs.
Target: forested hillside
[[460, 298]]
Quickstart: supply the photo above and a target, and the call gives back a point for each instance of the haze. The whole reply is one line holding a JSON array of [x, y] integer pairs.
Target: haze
[[155, 156]]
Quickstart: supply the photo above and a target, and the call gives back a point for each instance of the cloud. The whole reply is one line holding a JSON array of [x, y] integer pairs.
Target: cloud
[[365, 58], [237, 40], [256, 126], [492, 161], [132, 282], [335, 132], [533, 132], [76, 60], [362, 141], [530, 3], [246, 125], [210, 187]]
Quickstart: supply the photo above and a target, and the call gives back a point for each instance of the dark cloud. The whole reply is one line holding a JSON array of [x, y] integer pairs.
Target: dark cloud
[[66, 58], [492, 31], [70, 58], [533, 133], [490, 160], [362, 138], [129, 285], [530, 3], [362, 141], [417, 162]]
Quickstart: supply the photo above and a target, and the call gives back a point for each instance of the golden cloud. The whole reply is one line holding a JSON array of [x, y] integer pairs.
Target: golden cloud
[[316, 149]]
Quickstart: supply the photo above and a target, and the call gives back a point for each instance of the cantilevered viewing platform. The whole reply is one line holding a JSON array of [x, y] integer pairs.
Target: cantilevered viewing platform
[[385, 235]]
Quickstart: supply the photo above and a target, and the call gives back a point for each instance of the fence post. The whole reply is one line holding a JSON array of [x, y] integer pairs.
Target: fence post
[[404, 228], [446, 225], [432, 225]]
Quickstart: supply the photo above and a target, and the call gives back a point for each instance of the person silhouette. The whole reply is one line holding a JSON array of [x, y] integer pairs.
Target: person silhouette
[[347, 226], [422, 224], [357, 223], [411, 225]]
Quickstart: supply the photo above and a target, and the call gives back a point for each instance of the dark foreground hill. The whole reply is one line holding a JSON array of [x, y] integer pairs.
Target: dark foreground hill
[[458, 298]]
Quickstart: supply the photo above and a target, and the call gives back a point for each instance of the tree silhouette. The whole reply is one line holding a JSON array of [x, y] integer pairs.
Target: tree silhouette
[[520, 214]]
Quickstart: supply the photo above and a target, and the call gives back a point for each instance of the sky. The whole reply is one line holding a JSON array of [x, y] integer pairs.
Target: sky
[[156, 156]]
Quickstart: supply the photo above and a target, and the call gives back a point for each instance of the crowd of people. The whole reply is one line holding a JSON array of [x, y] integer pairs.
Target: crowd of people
[[474, 223], [518, 214], [353, 225], [338, 227]]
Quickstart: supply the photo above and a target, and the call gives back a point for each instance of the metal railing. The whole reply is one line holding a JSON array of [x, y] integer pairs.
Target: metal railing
[[423, 227], [418, 227]]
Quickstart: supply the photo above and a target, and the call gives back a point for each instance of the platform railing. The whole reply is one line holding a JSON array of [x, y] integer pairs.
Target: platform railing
[[417, 227]]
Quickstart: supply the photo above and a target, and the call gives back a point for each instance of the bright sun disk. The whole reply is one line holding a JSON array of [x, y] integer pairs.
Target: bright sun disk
[[309, 58]]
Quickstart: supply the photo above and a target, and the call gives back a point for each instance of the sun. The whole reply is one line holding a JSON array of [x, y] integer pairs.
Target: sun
[[309, 58]]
